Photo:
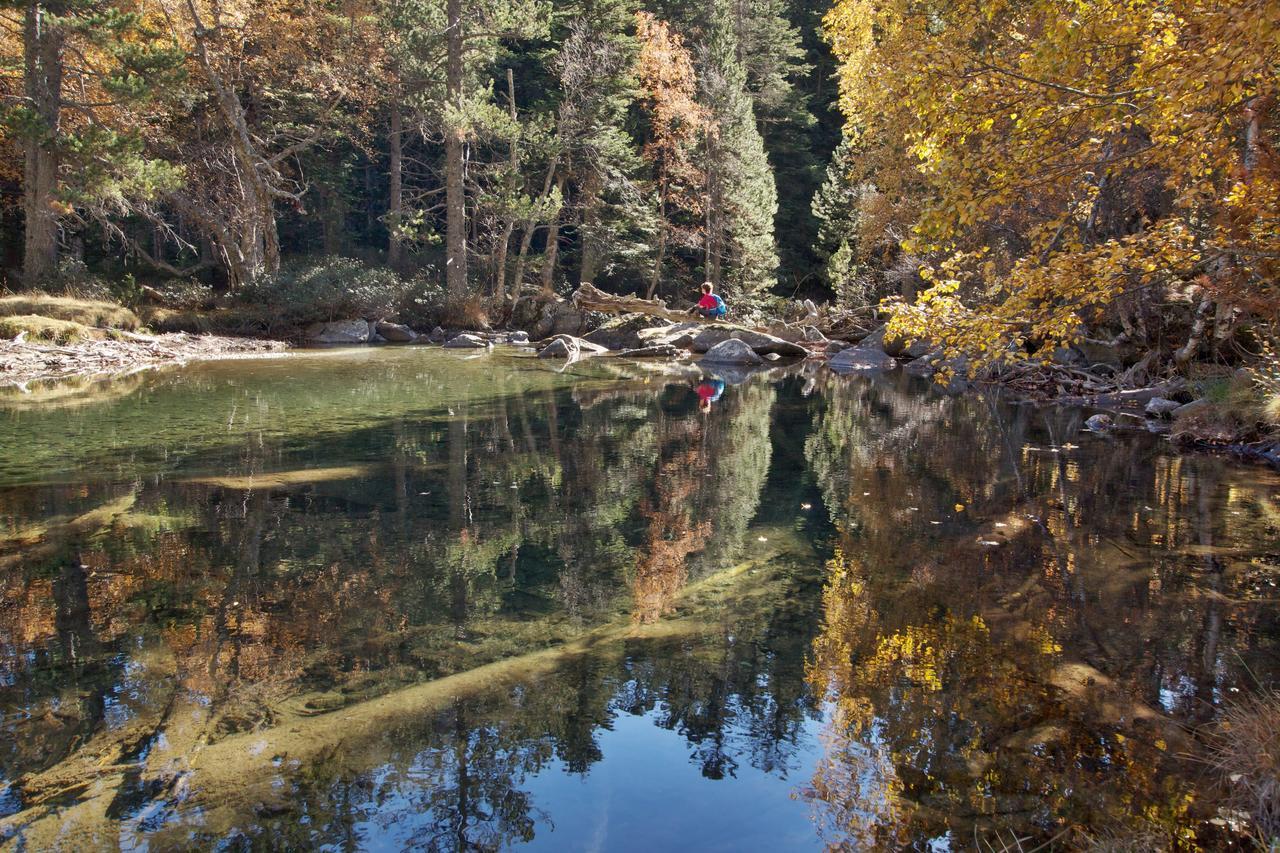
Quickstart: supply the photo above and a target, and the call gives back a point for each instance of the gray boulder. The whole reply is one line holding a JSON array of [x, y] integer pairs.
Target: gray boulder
[[861, 359], [559, 318], [564, 347], [812, 335], [624, 332], [518, 338], [339, 332], [396, 333], [656, 351], [1159, 407], [1100, 423], [466, 341], [834, 347], [759, 342], [567, 346], [732, 351], [438, 335], [926, 365], [679, 335]]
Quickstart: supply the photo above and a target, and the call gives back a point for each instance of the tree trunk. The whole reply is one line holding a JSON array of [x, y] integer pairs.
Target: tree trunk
[[530, 226], [553, 247], [592, 244], [42, 49], [500, 251], [455, 193], [715, 230], [395, 199], [662, 251], [258, 238]]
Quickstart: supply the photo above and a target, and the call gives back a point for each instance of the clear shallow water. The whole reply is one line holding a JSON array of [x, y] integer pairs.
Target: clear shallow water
[[404, 599]]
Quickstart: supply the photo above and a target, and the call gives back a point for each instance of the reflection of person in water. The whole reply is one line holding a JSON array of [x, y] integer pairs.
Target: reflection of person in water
[[709, 391]]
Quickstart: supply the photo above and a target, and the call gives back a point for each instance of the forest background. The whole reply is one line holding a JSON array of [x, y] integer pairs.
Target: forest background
[[1005, 178]]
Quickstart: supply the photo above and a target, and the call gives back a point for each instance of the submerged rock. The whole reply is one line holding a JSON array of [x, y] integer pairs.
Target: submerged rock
[[466, 341], [339, 332], [732, 351]]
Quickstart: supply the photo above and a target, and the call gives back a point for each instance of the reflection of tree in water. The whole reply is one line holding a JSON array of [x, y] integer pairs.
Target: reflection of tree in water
[[1026, 661], [493, 533], [674, 532], [208, 608]]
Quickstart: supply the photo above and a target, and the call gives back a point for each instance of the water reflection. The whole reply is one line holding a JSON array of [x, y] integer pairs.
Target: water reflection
[[854, 605]]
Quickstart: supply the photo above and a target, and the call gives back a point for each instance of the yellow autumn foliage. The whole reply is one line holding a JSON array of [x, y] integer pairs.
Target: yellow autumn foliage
[[1050, 158]]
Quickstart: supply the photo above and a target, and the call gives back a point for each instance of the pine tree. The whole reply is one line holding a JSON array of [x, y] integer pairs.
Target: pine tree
[[84, 64], [596, 71], [742, 199]]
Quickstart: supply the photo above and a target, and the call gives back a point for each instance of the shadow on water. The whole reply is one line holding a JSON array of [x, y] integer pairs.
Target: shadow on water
[[414, 601]]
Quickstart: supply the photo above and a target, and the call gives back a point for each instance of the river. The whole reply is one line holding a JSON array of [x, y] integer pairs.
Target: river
[[397, 599]]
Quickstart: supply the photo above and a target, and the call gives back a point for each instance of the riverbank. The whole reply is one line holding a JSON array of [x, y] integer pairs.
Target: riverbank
[[23, 362]]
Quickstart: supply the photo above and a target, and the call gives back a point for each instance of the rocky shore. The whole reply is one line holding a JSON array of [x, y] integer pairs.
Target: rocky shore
[[23, 362]]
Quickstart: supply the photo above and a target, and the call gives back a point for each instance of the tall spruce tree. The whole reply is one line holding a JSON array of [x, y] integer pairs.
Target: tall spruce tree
[[742, 200]]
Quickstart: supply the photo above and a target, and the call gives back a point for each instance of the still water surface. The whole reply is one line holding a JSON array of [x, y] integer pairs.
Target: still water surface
[[404, 599]]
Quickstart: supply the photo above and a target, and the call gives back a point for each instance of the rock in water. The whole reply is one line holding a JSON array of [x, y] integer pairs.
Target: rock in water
[[1159, 407], [467, 342], [861, 359], [758, 341], [396, 333], [1100, 423], [680, 335], [562, 347], [519, 339], [656, 351], [339, 332], [732, 351], [624, 332], [926, 365]]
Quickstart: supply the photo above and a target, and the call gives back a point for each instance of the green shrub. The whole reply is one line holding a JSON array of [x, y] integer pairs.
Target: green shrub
[[328, 289]]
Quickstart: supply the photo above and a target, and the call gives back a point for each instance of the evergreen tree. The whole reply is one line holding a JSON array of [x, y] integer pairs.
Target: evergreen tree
[[742, 200], [596, 70], [84, 65]]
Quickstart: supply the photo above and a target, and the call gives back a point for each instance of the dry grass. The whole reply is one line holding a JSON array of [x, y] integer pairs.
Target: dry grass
[[86, 312], [45, 329], [248, 320], [1245, 750]]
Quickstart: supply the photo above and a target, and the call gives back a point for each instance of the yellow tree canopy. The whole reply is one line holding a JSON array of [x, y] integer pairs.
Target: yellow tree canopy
[[1049, 157]]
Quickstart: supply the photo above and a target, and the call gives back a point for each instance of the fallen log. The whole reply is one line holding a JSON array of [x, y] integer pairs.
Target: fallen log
[[588, 297]]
